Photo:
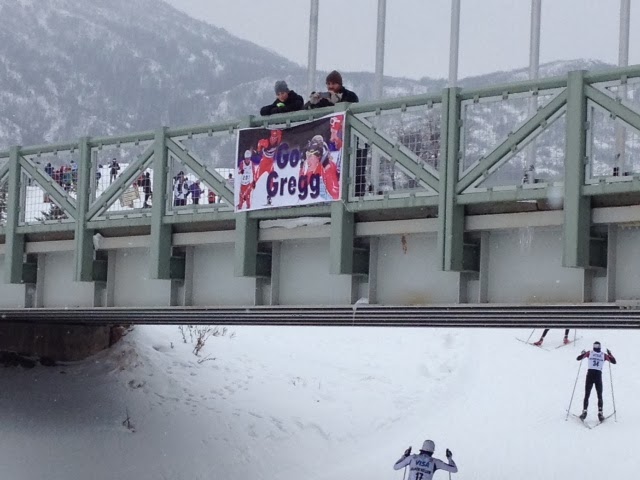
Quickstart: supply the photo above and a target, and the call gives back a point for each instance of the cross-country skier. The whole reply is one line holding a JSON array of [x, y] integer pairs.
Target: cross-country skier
[[423, 465], [267, 148], [594, 376], [246, 170], [544, 334]]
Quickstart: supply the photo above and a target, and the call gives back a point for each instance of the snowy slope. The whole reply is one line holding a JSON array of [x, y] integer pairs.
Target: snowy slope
[[317, 404]]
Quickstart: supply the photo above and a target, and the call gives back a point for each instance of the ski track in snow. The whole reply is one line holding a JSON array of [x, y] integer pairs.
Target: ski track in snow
[[318, 404]]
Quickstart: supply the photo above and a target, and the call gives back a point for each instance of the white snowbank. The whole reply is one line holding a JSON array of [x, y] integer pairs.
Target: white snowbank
[[318, 404]]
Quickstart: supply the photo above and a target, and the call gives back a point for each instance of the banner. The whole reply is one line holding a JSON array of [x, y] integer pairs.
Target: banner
[[286, 167]]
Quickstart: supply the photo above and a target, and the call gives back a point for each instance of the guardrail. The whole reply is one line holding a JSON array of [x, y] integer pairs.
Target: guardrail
[[525, 141], [591, 316]]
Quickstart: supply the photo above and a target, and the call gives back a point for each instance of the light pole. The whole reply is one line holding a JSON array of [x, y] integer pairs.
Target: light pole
[[313, 46], [534, 73], [379, 77], [454, 43], [623, 61]]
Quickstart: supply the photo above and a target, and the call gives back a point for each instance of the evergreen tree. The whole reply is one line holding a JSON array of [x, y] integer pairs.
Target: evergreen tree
[[54, 213]]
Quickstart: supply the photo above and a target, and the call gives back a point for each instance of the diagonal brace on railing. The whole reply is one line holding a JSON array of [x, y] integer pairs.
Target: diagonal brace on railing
[[115, 188], [4, 171], [517, 137], [213, 179], [410, 163], [49, 186], [613, 106]]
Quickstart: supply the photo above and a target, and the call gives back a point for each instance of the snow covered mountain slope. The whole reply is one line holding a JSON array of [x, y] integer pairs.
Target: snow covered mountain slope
[[318, 404], [70, 68]]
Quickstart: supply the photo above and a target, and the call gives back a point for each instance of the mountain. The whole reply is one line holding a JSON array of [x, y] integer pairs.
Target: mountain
[[72, 67], [104, 67]]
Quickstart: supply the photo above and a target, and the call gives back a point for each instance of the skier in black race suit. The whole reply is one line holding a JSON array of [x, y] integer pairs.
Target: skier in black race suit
[[594, 376]]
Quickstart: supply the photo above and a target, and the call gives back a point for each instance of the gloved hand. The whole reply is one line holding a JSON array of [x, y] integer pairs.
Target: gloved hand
[[335, 97], [449, 454], [609, 352], [262, 144], [314, 98], [407, 452], [583, 352]]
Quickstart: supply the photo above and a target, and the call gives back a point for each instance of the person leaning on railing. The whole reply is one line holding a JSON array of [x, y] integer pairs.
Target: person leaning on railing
[[286, 101], [335, 93]]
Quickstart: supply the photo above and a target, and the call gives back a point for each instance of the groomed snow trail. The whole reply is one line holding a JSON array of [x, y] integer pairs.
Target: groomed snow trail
[[318, 404]]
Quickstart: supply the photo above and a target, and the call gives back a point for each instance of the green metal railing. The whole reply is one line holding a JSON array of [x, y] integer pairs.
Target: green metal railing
[[436, 152]]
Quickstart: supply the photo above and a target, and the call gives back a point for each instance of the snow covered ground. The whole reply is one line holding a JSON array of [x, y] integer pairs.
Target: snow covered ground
[[318, 404]]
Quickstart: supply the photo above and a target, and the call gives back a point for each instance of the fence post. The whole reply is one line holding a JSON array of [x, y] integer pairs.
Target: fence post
[[450, 215], [84, 251], [577, 207], [160, 242], [14, 242]]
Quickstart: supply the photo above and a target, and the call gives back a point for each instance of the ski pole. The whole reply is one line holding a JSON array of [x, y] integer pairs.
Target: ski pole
[[613, 397], [530, 335], [405, 472], [574, 391]]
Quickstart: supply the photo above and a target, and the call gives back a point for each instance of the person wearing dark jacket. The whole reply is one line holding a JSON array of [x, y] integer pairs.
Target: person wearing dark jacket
[[146, 188], [286, 101], [336, 93]]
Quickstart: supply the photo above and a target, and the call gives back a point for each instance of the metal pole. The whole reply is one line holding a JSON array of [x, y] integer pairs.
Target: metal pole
[[534, 73], [454, 43], [574, 391], [534, 46], [623, 61], [378, 86], [625, 21], [313, 46], [613, 397], [379, 77]]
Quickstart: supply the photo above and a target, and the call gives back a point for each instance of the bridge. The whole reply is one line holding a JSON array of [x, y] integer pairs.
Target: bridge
[[503, 206]]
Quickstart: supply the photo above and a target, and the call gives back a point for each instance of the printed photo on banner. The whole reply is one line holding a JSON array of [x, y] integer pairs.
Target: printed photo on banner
[[286, 167]]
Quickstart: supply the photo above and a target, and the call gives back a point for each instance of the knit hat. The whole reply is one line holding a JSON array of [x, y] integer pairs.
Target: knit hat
[[281, 87], [334, 77]]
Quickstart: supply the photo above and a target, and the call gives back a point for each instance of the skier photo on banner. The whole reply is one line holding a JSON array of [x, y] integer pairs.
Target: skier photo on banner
[[246, 172], [294, 166], [335, 141], [423, 465], [267, 148], [317, 161], [596, 358]]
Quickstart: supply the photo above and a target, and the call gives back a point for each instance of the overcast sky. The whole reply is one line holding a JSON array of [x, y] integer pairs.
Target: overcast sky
[[495, 33]]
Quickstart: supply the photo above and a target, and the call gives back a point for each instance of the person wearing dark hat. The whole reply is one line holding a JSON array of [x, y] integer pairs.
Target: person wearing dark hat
[[594, 376], [336, 93], [286, 101]]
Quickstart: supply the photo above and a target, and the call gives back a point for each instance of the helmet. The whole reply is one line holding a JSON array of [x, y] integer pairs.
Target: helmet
[[276, 135], [315, 146], [247, 154], [428, 446]]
